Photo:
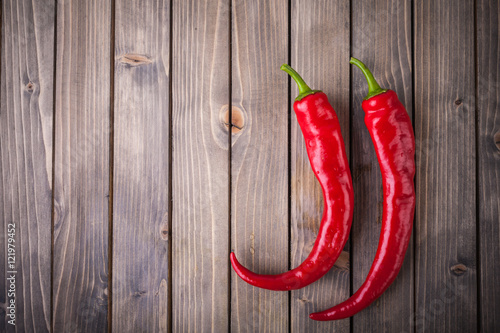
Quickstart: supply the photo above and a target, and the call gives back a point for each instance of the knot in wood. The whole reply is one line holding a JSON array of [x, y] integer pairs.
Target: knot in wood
[[496, 139], [164, 233], [30, 87], [303, 300], [233, 118], [139, 293], [459, 269], [135, 60]]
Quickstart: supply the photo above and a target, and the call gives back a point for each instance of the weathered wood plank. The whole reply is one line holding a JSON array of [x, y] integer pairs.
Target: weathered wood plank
[[259, 202], [200, 92], [381, 38], [320, 51], [445, 222], [141, 232], [81, 188], [488, 53], [26, 122]]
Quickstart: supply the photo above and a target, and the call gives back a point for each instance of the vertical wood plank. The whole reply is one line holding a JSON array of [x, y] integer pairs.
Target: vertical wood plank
[[320, 52], [81, 190], [446, 286], [200, 92], [381, 38], [26, 124], [140, 168], [259, 210], [488, 127]]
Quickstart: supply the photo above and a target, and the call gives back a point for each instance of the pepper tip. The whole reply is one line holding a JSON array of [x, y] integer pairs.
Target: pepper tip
[[313, 316]]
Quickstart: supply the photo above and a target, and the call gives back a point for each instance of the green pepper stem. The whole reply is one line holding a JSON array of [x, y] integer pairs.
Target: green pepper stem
[[304, 89], [373, 87]]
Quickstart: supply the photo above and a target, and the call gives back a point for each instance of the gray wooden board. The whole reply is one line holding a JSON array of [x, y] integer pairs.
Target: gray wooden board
[[259, 206], [140, 168], [488, 127], [200, 223], [381, 38], [205, 291], [81, 188], [320, 53], [445, 222], [26, 118]]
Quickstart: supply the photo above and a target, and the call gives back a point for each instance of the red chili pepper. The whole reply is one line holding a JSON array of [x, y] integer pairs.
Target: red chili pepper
[[392, 135], [325, 148]]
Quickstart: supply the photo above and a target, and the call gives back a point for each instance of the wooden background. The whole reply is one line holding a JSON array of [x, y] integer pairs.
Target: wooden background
[[128, 191]]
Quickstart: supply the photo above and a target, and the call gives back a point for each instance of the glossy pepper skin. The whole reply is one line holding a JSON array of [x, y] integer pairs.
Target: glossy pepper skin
[[392, 135], [325, 148]]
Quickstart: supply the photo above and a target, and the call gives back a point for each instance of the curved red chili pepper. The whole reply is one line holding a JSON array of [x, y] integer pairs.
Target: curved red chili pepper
[[392, 135], [325, 148]]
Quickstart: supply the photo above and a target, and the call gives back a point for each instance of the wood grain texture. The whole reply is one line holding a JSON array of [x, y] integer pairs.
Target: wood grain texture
[[200, 90], [445, 223], [457, 226], [488, 127], [381, 38], [26, 123], [259, 206], [81, 188], [320, 53], [141, 232]]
